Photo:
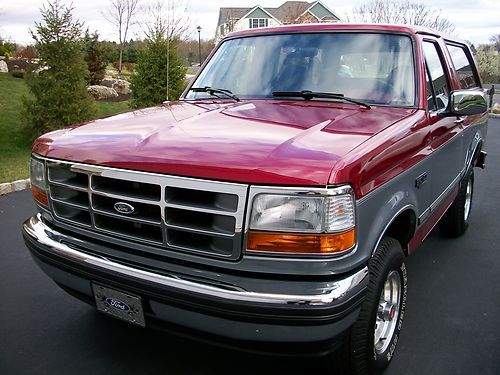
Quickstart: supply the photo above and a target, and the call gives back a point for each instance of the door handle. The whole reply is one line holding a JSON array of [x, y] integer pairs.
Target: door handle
[[460, 120]]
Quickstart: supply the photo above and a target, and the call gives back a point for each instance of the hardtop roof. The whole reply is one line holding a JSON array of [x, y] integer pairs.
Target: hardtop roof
[[338, 26]]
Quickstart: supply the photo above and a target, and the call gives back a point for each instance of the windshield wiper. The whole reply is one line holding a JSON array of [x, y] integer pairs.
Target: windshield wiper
[[308, 95], [213, 91]]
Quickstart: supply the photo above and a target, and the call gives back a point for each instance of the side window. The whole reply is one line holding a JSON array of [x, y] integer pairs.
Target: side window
[[431, 99], [463, 66], [438, 88]]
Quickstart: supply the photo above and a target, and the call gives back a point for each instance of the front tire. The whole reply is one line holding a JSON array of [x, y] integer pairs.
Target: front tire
[[455, 221], [374, 336]]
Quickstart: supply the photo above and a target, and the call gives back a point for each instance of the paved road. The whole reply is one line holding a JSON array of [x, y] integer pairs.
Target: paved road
[[452, 323]]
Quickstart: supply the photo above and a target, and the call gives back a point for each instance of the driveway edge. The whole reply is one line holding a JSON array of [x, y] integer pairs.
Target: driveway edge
[[10, 187]]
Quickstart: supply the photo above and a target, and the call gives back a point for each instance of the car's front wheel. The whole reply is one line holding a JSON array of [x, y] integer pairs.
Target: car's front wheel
[[375, 335]]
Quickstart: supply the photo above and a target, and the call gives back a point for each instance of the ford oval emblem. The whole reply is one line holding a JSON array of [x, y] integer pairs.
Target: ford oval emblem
[[119, 305], [124, 208]]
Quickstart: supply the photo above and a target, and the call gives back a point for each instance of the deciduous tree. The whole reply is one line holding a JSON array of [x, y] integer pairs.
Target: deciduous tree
[[170, 17], [401, 12], [122, 14], [488, 60]]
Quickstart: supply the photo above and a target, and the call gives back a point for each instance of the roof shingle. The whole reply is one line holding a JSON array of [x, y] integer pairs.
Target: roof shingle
[[288, 11]]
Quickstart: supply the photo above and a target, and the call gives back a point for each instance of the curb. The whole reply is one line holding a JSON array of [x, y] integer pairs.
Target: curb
[[10, 187], [494, 115]]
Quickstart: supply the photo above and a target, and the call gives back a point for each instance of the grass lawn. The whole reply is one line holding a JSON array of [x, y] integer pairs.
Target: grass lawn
[[112, 108], [15, 147]]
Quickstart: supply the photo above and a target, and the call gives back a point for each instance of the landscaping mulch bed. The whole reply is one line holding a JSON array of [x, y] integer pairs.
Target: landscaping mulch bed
[[119, 98]]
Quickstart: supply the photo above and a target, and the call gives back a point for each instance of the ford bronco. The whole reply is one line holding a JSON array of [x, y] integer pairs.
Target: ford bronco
[[275, 203]]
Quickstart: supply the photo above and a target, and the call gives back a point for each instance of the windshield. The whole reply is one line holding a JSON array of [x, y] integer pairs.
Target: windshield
[[373, 68]]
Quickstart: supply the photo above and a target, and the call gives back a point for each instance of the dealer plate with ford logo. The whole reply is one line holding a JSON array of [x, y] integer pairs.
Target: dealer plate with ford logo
[[118, 304]]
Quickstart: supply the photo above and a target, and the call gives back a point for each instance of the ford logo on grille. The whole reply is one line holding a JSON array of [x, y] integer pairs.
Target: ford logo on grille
[[124, 208], [119, 305]]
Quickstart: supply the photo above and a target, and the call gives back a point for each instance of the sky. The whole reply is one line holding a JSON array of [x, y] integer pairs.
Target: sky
[[475, 20]]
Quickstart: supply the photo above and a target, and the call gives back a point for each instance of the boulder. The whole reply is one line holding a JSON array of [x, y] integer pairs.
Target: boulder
[[36, 72], [3, 67], [496, 108], [122, 87], [108, 82], [100, 92]]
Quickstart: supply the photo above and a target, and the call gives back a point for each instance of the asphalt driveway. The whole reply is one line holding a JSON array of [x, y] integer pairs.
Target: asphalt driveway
[[452, 322]]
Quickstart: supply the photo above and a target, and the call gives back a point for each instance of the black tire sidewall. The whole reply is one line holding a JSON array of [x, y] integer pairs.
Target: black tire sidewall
[[453, 223], [382, 360], [460, 202], [364, 359]]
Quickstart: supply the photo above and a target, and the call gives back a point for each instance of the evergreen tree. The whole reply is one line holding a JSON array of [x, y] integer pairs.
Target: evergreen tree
[[159, 73], [59, 93], [110, 51], [131, 52], [94, 58]]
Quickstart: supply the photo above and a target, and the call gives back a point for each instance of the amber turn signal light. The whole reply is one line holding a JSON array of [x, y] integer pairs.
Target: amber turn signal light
[[40, 196], [301, 243]]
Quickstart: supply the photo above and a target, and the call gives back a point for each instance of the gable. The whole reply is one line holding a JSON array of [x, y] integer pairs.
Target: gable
[[320, 11], [258, 13], [228, 14]]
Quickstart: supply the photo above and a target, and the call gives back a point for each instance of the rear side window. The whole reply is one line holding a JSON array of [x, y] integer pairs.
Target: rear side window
[[463, 66], [437, 82]]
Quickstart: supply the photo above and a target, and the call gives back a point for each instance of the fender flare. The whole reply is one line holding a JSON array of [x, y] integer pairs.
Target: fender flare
[[472, 152], [404, 208]]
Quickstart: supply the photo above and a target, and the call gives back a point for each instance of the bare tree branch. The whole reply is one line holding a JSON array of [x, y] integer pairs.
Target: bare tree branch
[[168, 19], [401, 12], [121, 14]]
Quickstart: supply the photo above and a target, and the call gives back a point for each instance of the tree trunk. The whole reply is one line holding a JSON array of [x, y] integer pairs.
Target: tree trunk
[[120, 62]]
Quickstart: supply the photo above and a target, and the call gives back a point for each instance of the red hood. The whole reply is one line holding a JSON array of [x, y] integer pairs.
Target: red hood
[[264, 142]]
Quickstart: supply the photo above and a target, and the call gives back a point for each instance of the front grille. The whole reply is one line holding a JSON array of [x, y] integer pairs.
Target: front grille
[[175, 213]]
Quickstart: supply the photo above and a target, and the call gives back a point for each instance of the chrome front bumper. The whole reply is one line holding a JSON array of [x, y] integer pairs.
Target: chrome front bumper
[[53, 241]]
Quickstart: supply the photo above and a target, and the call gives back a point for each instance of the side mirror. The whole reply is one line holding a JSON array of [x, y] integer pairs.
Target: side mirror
[[467, 102]]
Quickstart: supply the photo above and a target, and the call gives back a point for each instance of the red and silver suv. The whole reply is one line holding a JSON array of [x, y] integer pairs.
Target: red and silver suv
[[276, 202]]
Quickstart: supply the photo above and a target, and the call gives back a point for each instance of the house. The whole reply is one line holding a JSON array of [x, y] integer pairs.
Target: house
[[290, 12]]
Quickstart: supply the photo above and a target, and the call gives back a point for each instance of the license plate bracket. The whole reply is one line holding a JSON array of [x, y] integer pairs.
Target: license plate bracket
[[118, 304]]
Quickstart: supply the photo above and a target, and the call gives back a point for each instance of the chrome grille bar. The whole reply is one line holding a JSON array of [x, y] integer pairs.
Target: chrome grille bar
[[178, 213]]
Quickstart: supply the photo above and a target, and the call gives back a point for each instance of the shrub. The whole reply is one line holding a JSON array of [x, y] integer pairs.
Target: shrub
[[21, 64], [488, 61], [125, 65], [94, 58], [7, 48], [28, 53], [18, 74], [159, 74], [128, 66], [59, 95]]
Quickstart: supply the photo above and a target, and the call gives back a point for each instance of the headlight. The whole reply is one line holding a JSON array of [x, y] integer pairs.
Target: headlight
[[37, 174], [302, 214], [302, 223], [38, 184]]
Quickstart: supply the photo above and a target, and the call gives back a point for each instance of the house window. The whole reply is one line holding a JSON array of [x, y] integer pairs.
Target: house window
[[258, 22]]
